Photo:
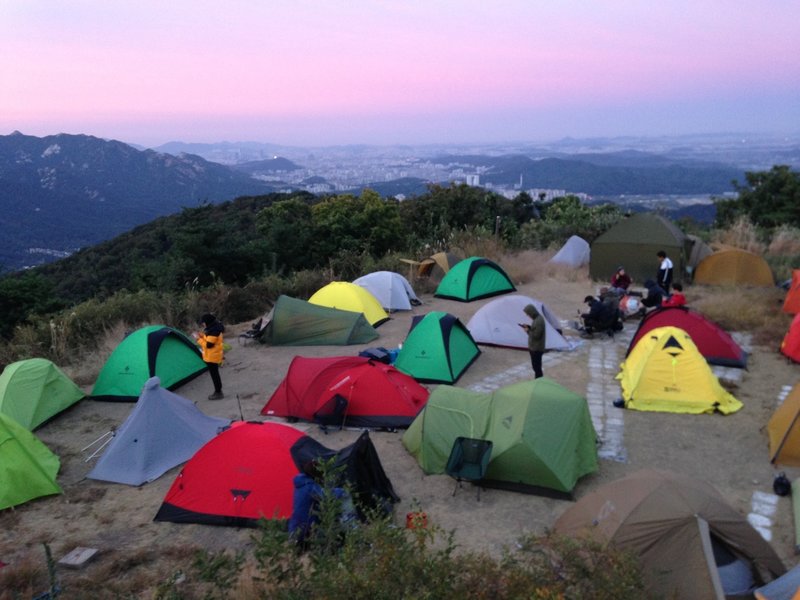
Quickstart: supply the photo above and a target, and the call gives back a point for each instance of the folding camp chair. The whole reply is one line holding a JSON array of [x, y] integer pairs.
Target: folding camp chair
[[468, 461]]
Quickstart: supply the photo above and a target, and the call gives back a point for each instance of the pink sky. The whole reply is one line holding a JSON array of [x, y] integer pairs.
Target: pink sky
[[397, 71]]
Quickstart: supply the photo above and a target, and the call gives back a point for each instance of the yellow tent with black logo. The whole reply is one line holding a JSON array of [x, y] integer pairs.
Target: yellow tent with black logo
[[343, 295], [665, 372]]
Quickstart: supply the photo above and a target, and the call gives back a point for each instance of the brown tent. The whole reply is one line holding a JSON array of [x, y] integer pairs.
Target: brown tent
[[783, 430], [733, 266], [436, 267], [689, 541]]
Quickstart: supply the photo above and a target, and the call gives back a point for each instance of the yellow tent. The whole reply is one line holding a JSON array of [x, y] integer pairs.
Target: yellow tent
[[733, 266], [349, 296], [783, 430], [665, 372]]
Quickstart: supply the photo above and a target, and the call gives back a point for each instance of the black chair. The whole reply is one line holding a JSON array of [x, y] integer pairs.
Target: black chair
[[469, 459]]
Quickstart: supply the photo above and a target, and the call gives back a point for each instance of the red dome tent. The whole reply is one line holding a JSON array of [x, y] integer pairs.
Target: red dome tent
[[714, 343], [246, 473], [351, 390]]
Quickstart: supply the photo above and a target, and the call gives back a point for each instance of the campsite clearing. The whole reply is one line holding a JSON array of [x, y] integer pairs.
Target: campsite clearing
[[731, 452]]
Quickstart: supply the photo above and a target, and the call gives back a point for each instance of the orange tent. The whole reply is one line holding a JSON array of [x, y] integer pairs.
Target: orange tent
[[791, 304], [783, 430], [790, 346], [733, 266]]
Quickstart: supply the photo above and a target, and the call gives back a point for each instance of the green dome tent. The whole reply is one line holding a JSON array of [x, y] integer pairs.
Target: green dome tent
[[27, 468], [294, 322], [542, 434], [438, 349], [474, 278], [155, 350], [34, 390]]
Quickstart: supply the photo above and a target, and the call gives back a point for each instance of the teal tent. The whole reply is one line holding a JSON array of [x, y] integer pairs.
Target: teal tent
[[34, 390], [438, 349], [27, 468], [542, 435], [294, 322], [155, 350], [474, 278]]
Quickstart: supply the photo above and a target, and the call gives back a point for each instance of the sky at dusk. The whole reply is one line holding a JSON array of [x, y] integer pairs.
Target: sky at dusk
[[326, 72]]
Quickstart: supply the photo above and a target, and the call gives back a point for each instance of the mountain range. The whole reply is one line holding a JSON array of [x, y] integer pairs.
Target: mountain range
[[63, 192]]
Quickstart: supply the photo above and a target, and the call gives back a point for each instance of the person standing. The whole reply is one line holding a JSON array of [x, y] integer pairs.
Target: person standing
[[536, 338], [664, 271], [210, 340]]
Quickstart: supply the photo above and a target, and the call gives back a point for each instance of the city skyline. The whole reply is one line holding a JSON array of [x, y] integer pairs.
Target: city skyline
[[388, 72]]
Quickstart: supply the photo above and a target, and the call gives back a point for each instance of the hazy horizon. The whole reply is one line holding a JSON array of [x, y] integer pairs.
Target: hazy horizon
[[390, 72]]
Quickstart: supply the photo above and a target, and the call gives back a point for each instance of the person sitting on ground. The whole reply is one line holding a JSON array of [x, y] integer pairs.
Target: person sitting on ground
[[620, 281], [597, 317], [676, 298], [655, 295]]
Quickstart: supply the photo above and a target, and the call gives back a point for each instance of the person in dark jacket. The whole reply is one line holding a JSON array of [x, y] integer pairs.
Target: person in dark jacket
[[654, 298], [597, 318], [536, 338], [210, 341]]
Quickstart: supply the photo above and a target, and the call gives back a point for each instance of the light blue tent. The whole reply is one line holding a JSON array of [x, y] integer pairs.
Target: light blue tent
[[163, 431]]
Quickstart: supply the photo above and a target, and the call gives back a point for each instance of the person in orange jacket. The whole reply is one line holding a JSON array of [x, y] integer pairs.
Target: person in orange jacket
[[210, 340]]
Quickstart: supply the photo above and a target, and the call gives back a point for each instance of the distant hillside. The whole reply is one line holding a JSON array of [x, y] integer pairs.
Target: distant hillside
[[271, 165], [63, 192], [603, 174]]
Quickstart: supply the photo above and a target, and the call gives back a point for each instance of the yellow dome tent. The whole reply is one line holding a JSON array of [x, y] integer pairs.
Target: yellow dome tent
[[665, 372], [733, 266], [783, 431], [349, 296]]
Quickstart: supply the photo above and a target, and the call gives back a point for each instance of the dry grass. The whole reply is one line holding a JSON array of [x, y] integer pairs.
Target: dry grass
[[25, 578], [533, 265], [785, 242], [742, 234], [754, 310], [84, 371]]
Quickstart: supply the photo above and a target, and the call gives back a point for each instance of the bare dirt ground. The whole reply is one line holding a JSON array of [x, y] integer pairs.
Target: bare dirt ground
[[731, 452]]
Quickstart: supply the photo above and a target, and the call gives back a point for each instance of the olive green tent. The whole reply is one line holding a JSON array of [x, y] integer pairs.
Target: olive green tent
[[634, 242], [542, 434], [33, 390], [155, 350], [27, 468], [294, 322]]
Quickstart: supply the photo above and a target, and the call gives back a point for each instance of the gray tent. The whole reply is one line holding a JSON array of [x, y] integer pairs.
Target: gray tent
[[574, 253], [163, 431], [634, 242]]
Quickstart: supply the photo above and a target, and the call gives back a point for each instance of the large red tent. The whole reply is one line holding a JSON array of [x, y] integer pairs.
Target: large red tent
[[351, 390], [714, 343], [247, 473]]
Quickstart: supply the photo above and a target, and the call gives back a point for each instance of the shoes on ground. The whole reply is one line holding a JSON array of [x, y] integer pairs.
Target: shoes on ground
[[216, 396], [619, 403]]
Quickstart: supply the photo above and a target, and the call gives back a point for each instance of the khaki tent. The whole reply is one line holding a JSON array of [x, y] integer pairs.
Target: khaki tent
[[634, 242], [665, 372], [689, 541], [783, 430], [436, 266], [734, 267]]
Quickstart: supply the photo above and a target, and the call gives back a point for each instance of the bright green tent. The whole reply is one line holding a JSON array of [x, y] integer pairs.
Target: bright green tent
[[542, 433], [294, 322], [155, 350], [474, 278], [27, 468], [438, 349], [634, 242], [33, 390]]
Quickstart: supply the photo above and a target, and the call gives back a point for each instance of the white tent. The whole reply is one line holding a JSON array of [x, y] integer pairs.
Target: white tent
[[391, 289], [497, 323], [163, 431], [574, 253]]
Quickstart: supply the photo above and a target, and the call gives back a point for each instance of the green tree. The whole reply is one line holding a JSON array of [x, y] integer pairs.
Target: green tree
[[24, 295], [288, 231], [769, 199]]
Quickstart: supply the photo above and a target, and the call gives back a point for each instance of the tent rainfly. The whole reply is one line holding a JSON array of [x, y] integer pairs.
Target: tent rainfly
[[574, 253], [733, 266], [791, 304], [436, 266], [344, 295], [163, 431], [790, 345], [474, 278], [391, 289], [34, 390], [783, 430]]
